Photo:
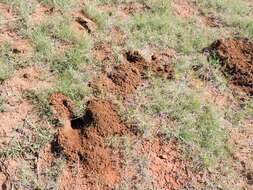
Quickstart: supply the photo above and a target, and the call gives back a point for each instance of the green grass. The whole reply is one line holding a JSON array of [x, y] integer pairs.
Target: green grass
[[91, 11], [28, 176], [5, 69], [175, 106], [237, 16], [32, 144], [160, 27]]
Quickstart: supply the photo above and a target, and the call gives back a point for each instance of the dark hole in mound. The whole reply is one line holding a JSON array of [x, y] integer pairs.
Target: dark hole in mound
[[133, 57], [82, 122], [16, 51], [56, 147], [83, 23]]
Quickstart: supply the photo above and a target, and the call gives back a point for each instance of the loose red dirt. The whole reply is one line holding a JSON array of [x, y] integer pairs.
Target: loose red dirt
[[9, 33], [237, 57], [184, 8], [134, 7], [85, 139], [125, 78], [103, 52], [167, 169], [82, 24]]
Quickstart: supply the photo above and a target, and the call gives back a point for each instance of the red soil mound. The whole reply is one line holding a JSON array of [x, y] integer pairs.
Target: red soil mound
[[62, 105], [85, 139], [103, 52], [123, 79], [237, 56], [134, 7], [160, 63], [82, 24]]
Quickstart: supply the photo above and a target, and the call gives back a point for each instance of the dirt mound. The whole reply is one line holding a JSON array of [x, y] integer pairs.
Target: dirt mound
[[63, 106], [134, 7], [42, 13], [136, 60], [184, 8], [85, 140], [9, 33], [161, 64], [6, 11], [103, 52], [213, 21], [82, 24], [237, 57], [124, 11], [167, 169], [123, 79]]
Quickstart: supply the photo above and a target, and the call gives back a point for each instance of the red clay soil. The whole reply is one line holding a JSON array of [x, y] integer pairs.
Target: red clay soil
[[237, 57], [9, 32], [62, 105], [103, 52], [42, 13], [85, 139], [184, 8], [168, 171], [82, 24], [213, 21], [134, 7], [123, 79], [125, 10]]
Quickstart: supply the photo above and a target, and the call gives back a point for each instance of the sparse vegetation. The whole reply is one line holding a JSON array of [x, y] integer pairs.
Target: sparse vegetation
[[185, 109]]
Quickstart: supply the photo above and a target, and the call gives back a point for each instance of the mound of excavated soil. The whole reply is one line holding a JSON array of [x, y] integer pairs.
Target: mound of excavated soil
[[123, 79], [85, 140], [237, 57], [103, 52], [134, 7]]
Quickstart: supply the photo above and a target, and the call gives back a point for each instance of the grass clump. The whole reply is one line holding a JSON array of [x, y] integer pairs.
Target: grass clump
[[5, 70], [31, 178], [160, 27], [38, 137], [91, 11]]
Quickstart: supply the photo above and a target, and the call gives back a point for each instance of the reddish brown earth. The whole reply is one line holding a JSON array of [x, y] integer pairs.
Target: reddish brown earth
[[85, 140], [134, 7], [124, 11], [9, 33], [42, 13], [213, 21], [103, 52], [123, 79], [168, 171], [237, 57], [82, 24], [18, 114], [184, 8], [17, 108]]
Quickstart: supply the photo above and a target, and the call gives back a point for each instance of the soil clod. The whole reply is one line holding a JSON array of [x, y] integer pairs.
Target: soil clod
[[236, 55]]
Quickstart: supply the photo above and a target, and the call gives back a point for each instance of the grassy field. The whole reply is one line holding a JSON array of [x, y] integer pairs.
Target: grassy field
[[210, 121]]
